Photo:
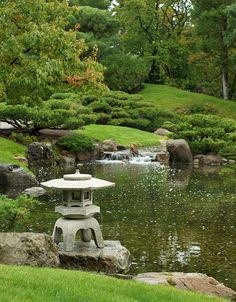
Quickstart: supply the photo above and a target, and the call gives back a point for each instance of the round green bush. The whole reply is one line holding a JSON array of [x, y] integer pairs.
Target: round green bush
[[76, 143]]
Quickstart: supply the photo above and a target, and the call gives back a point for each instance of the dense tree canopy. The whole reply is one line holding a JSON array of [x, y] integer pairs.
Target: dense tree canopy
[[152, 29], [37, 53], [213, 26]]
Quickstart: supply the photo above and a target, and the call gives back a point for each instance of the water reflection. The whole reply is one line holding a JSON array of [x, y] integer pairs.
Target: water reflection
[[176, 219]]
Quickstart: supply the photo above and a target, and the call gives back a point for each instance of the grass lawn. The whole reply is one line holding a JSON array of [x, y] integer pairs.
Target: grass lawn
[[171, 98], [21, 284], [122, 135], [10, 149]]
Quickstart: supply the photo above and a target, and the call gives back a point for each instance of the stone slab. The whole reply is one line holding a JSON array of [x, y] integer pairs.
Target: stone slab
[[188, 281], [113, 258], [28, 249]]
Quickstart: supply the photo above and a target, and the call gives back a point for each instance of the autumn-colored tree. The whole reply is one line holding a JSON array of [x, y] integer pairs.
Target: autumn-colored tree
[[38, 54]]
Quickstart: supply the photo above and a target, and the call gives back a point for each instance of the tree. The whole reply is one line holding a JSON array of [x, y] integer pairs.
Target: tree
[[124, 72], [37, 54], [100, 4], [152, 29], [212, 23]]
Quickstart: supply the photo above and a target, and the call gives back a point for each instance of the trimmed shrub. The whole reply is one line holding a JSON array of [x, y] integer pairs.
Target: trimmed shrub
[[76, 143], [23, 138], [205, 133]]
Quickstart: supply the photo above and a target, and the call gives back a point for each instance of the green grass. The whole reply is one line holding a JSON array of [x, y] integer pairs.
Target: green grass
[[10, 149], [26, 284], [170, 98], [122, 135]]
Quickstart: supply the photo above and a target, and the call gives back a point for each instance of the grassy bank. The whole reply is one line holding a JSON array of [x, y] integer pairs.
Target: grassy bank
[[10, 149], [170, 98], [122, 135], [20, 284]]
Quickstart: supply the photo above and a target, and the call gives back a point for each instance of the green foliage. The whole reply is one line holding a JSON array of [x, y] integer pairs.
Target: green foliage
[[202, 108], [205, 133], [152, 30], [176, 100], [12, 210], [76, 143], [38, 54], [101, 4], [122, 109], [60, 111], [23, 138], [213, 25], [124, 72]]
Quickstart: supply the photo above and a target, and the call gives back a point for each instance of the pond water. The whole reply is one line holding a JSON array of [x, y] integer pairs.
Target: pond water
[[171, 219]]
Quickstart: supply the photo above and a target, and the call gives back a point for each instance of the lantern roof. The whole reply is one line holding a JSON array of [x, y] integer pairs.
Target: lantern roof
[[77, 181]]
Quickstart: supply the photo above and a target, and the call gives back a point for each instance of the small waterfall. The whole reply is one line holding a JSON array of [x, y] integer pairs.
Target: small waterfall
[[143, 157]]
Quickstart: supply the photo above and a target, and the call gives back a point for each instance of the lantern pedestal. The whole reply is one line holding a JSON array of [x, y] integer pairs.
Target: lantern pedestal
[[69, 227]]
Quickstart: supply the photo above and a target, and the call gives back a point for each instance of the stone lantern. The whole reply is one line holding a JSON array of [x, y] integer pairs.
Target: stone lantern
[[77, 209]]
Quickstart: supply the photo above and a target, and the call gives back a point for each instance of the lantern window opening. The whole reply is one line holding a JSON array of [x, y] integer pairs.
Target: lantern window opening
[[76, 196]]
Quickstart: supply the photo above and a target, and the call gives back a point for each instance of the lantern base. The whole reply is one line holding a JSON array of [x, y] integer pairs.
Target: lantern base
[[68, 228]]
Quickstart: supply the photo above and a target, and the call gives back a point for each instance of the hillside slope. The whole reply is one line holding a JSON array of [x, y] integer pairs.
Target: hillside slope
[[171, 98], [122, 135], [10, 149]]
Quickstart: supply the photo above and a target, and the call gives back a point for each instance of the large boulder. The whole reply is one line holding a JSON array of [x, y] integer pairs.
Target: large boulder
[[40, 155], [179, 151], [113, 258], [67, 162], [28, 249], [14, 176], [188, 281]]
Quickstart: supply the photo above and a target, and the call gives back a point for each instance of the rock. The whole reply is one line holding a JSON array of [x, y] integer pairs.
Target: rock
[[67, 162], [109, 146], [231, 161], [121, 147], [113, 258], [209, 159], [55, 133], [14, 176], [134, 150], [40, 155], [162, 157], [179, 151], [28, 249], [162, 132], [85, 155], [188, 281], [34, 191]]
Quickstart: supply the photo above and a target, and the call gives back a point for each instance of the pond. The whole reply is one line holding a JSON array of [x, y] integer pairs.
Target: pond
[[171, 219]]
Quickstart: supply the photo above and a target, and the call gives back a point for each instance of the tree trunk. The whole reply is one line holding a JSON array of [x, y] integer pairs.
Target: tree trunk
[[225, 82], [154, 74]]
